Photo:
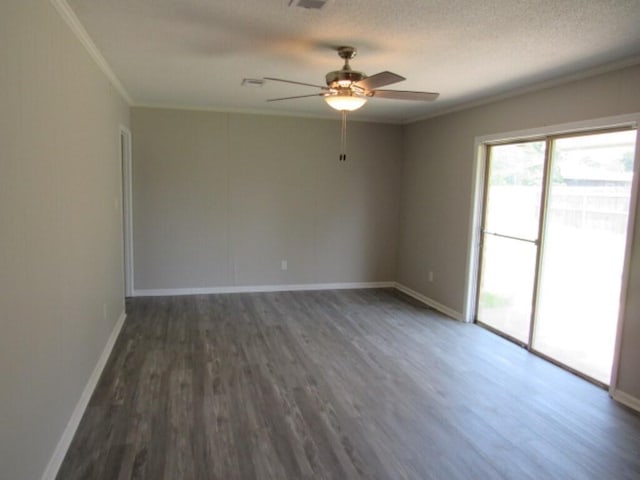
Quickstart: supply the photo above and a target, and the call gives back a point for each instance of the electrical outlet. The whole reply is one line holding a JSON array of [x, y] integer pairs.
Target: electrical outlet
[[430, 276], [283, 265]]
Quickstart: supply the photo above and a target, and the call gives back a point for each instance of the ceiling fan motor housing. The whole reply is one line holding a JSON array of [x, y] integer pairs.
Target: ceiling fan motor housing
[[343, 78]]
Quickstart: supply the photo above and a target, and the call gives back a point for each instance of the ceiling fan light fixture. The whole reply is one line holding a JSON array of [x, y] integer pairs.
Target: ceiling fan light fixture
[[345, 101]]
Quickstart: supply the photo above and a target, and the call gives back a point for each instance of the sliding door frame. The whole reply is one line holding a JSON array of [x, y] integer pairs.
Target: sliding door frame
[[478, 197]]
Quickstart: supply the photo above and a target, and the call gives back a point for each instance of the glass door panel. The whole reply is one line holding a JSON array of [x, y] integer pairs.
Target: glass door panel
[[584, 244], [513, 189], [506, 286], [509, 237]]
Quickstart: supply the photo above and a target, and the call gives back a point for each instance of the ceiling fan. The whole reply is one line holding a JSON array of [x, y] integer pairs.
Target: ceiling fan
[[348, 90]]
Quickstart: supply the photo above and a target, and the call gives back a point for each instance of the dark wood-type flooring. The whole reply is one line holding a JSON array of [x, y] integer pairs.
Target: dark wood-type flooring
[[360, 384]]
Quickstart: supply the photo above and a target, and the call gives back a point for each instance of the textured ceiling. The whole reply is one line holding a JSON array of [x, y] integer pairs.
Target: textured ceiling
[[195, 53]]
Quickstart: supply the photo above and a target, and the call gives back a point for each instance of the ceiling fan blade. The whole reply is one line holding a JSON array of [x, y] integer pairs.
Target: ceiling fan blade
[[405, 95], [297, 96], [380, 80], [296, 83]]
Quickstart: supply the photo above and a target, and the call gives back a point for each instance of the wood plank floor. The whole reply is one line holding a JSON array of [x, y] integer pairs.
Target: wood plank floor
[[360, 384]]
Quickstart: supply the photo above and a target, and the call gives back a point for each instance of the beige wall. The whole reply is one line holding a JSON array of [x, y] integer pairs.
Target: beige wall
[[220, 199], [437, 181], [60, 241]]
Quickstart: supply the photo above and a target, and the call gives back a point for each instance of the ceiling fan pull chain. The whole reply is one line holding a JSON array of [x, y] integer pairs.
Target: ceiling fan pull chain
[[343, 137]]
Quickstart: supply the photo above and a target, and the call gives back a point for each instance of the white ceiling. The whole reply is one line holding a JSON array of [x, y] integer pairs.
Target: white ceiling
[[195, 53]]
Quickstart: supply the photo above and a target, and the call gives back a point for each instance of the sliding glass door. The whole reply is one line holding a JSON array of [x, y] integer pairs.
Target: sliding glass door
[[553, 242]]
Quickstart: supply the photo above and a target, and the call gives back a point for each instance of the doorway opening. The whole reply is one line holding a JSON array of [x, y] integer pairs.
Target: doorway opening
[[555, 220]]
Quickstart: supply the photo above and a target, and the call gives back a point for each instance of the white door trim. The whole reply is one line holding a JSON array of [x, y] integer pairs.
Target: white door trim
[[624, 287], [127, 208]]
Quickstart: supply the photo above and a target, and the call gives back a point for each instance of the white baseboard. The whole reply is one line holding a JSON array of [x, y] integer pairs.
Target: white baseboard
[[65, 440], [626, 399], [165, 292], [260, 288], [430, 302]]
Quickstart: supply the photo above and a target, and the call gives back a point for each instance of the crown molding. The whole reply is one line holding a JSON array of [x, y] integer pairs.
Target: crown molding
[[516, 92], [72, 20]]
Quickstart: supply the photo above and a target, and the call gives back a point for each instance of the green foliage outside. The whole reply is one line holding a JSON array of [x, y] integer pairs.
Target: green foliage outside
[[494, 300]]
